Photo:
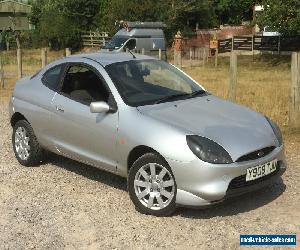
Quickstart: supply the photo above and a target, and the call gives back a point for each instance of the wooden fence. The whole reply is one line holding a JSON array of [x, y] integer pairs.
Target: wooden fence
[[294, 97], [262, 43], [94, 39]]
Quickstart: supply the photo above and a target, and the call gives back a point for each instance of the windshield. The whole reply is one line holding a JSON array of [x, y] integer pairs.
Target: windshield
[[116, 42], [150, 81]]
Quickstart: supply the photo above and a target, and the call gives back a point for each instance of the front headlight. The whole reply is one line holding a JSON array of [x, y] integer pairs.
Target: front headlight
[[276, 131], [207, 150]]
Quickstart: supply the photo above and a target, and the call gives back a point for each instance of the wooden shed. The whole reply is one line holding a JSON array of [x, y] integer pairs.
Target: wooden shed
[[14, 15]]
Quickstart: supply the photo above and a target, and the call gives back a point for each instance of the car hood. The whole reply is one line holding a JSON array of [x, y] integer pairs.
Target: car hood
[[236, 128]]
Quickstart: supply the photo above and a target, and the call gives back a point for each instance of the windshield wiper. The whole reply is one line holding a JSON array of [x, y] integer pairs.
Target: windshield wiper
[[171, 97], [197, 93]]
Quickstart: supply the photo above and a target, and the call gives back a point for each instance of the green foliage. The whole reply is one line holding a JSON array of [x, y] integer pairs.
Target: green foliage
[[233, 11], [59, 22], [177, 14], [61, 33], [282, 16]]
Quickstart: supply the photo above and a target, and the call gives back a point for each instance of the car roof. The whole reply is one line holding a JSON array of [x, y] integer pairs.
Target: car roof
[[106, 58], [156, 33]]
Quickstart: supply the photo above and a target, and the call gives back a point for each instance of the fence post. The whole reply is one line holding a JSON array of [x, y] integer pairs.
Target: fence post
[[232, 40], [233, 76], [91, 39], [179, 59], [278, 45], [1, 72], [203, 56], [216, 57], [294, 100], [143, 51], [252, 47], [68, 52], [191, 57], [19, 63], [159, 54], [44, 57], [175, 58]]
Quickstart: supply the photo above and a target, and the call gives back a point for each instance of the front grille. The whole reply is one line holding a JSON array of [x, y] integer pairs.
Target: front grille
[[256, 154], [240, 181]]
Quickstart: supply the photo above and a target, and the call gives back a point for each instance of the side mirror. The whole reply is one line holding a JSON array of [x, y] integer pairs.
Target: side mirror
[[99, 107], [130, 44]]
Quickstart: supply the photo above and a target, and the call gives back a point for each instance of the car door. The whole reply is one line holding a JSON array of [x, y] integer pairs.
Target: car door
[[45, 89], [82, 135]]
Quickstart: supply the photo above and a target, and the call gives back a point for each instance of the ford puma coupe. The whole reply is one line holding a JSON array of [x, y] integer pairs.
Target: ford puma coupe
[[144, 119]]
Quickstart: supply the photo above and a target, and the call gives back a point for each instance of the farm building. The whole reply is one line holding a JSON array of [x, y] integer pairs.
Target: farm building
[[13, 15]]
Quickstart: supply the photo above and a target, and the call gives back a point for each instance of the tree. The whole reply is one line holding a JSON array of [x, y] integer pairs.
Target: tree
[[281, 15], [177, 14], [59, 22], [233, 11]]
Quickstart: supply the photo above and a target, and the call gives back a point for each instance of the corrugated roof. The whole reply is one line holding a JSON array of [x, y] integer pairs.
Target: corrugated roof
[[14, 6]]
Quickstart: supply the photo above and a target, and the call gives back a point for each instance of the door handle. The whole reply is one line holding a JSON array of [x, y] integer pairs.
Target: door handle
[[59, 109]]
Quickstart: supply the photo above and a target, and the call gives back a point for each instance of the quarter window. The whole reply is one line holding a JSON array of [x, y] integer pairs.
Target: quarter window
[[51, 78]]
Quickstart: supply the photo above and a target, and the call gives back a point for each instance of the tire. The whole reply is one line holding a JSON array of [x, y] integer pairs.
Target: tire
[[25, 144], [151, 193]]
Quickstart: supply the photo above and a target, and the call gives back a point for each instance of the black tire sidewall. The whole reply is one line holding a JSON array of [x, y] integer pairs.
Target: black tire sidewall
[[143, 160], [35, 150]]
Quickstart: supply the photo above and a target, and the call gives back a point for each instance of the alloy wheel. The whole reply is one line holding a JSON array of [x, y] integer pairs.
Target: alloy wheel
[[154, 186], [22, 143]]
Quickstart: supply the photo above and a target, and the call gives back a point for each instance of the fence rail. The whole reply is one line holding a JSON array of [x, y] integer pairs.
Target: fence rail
[[94, 39], [263, 43]]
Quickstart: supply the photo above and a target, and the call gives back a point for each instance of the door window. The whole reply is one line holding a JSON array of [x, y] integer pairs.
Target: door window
[[82, 84]]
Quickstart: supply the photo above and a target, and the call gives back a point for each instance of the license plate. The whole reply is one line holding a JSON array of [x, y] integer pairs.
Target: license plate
[[261, 170]]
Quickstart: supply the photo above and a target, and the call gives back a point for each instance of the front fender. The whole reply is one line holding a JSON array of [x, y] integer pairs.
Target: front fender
[[137, 129]]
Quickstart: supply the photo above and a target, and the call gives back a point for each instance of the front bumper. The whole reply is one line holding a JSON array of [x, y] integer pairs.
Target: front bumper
[[11, 109], [200, 183]]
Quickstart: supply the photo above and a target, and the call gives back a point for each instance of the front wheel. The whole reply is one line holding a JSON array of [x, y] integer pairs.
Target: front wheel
[[152, 186], [25, 144]]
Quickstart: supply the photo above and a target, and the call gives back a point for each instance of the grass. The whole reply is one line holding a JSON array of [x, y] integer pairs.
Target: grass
[[263, 83], [31, 63]]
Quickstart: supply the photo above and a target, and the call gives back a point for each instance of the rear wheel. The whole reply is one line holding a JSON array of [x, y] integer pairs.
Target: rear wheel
[[26, 147], [152, 186]]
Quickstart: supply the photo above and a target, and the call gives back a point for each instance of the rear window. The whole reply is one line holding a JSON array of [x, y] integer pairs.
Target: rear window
[[51, 78]]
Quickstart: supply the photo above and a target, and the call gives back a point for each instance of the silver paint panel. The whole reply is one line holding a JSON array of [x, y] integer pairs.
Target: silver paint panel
[[106, 140]]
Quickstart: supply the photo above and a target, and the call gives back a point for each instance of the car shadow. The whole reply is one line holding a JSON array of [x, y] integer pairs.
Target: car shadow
[[232, 206], [88, 171], [237, 205]]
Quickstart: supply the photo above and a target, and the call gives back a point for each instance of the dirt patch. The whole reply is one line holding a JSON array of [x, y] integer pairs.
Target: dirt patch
[[65, 204]]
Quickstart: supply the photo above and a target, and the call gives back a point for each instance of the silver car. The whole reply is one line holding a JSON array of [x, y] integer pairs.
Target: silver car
[[146, 120]]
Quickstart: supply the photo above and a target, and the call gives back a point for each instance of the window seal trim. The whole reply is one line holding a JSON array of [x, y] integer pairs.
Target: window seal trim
[[95, 71], [45, 83]]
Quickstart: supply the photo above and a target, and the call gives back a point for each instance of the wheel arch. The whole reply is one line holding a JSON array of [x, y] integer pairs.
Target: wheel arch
[[139, 151], [17, 117]]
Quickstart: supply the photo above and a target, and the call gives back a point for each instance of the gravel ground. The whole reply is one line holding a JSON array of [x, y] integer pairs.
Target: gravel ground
[[65, 204]]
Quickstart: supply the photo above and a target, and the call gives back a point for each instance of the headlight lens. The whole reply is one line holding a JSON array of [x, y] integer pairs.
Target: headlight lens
[[207, 150], [276, 131]]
